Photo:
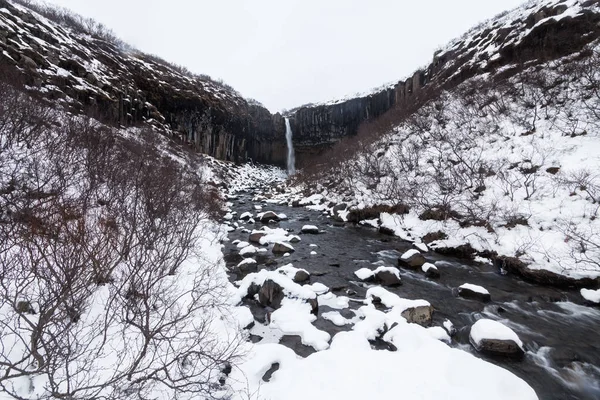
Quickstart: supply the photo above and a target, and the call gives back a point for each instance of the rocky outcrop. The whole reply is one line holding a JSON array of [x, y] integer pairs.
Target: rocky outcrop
[[542, 31], [318, 127], [89, 73]]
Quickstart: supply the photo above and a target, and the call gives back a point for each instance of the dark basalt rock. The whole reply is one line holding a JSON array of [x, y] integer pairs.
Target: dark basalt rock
[[415, 261], [387, 278], [270, 294], [473, 295], [301, 276], [496, 347], [541, 276], [139, 89]]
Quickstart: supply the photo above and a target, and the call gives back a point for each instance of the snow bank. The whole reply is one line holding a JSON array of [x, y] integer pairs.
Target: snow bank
[[426, 369]]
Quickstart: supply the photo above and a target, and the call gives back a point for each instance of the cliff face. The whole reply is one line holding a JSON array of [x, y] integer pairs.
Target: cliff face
[[86, 73], [534, 33]]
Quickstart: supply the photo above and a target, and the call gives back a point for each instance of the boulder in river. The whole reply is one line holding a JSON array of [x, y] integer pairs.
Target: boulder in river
[[412, 259], [591, 296], [388, 278], [268, 216], [294, 239], [312, 229], [282, 248], [494, 338], [255, 236], [301, 276], [247, 266], [430, 271], [418, 315], [474, 292], [270, 294], [246, 216]]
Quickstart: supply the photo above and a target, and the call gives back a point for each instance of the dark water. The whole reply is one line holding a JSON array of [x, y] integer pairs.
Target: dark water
[[561, 335]]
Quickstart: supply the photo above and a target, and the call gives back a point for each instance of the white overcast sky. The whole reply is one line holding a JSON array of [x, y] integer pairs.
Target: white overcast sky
[[285, 53]]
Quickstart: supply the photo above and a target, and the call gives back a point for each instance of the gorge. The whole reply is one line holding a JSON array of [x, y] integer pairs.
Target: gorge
[[161, 236]]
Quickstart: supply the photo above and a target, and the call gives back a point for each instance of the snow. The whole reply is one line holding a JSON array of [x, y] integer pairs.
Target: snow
[[289, 270], [248, 251], [427, 266], [422, 247], [285, 245], [336, 318], [392, 300], [246, 215], [449, 326], [409, 254], [295, 318], [490, 329], [365, 273], [474, 288], [290, 288], [242, 244], [331, 300], [309, 229], [246, 261], [273, 235], [422, 368], [591, 295]]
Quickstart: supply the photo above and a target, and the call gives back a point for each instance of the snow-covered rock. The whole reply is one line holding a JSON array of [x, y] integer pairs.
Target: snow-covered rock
[[248, 251], [387, 276], [246, 216], [255, 236], [593, 296], [415, 311], [495, 338], [242, 244], [412, 259], [475, 292], [298, 275], [247, 265], [310, 229], [282, 248], [422, 247], [430, 270], [267, 216]]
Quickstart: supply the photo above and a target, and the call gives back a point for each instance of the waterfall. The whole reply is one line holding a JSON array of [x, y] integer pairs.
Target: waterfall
[[291, 161]]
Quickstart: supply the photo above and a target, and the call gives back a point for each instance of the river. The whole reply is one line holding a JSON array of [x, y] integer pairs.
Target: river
[[560, 333]]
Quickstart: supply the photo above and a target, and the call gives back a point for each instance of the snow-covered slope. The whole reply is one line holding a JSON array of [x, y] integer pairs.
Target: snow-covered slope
[[74, 63], [505, 162]]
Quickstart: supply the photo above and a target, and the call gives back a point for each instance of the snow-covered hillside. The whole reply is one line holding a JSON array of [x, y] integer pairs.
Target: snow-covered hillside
[[506, 162]]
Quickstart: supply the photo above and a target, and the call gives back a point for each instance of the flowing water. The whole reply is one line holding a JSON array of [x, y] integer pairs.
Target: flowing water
[[561, 335], [291, 160]]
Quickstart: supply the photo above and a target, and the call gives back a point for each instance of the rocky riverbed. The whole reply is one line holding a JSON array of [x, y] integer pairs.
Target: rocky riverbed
[[558, 355]]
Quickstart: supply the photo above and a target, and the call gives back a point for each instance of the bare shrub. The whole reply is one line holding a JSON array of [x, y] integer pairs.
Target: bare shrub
[[104, 291]]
